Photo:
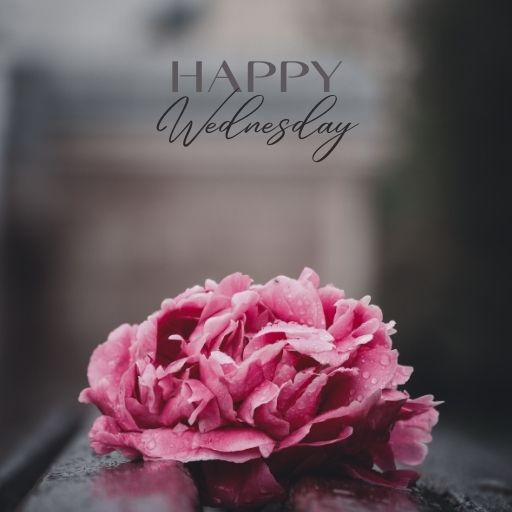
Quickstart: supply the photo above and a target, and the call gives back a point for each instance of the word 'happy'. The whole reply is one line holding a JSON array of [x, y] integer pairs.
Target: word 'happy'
[[255, 70]]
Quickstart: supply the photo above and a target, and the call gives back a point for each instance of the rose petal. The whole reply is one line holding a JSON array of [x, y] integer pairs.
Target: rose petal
[[294, 301], [213, 377], [305, 406], [309, 275], [263, 394], [252, 371], [376, 369], [410, 436], [108, 363], [329, 296]]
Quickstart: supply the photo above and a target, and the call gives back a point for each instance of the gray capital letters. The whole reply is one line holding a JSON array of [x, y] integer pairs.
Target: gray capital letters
[[304, 68], [326, 78], [198, 75], [229, 75], [271, 69]]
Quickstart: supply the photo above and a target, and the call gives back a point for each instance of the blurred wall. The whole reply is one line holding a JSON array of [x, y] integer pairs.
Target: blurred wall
[[105, 219], [445, 229]]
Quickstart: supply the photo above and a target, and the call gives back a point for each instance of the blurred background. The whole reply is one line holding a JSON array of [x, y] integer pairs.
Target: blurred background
[[101, 218]]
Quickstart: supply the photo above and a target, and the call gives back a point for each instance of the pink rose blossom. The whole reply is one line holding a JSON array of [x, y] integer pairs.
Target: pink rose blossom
[[255, 385]]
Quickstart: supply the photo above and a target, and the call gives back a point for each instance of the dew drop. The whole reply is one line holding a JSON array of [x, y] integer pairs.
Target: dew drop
[[359, 398], [373, 380], [384, 360], [343, 492], [150, 445], [366, 375]]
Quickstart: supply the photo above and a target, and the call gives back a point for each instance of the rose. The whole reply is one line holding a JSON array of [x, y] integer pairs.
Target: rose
[[255, 385]]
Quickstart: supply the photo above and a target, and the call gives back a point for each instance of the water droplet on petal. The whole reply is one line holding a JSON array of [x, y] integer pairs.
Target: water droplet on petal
[[384, 360], [366, 375], [373, 380], [359, 398]]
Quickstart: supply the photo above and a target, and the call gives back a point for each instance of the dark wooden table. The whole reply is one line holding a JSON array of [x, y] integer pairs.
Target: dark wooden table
[[459, 475]]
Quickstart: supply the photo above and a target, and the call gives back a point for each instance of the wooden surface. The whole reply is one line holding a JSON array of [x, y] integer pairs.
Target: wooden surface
[[459, 475]]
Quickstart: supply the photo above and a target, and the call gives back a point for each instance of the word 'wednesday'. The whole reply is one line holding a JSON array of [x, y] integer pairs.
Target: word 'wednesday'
[[286, 70], [239, 123]]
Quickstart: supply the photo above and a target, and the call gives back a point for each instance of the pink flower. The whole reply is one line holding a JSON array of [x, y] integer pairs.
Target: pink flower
[[254, 385]]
